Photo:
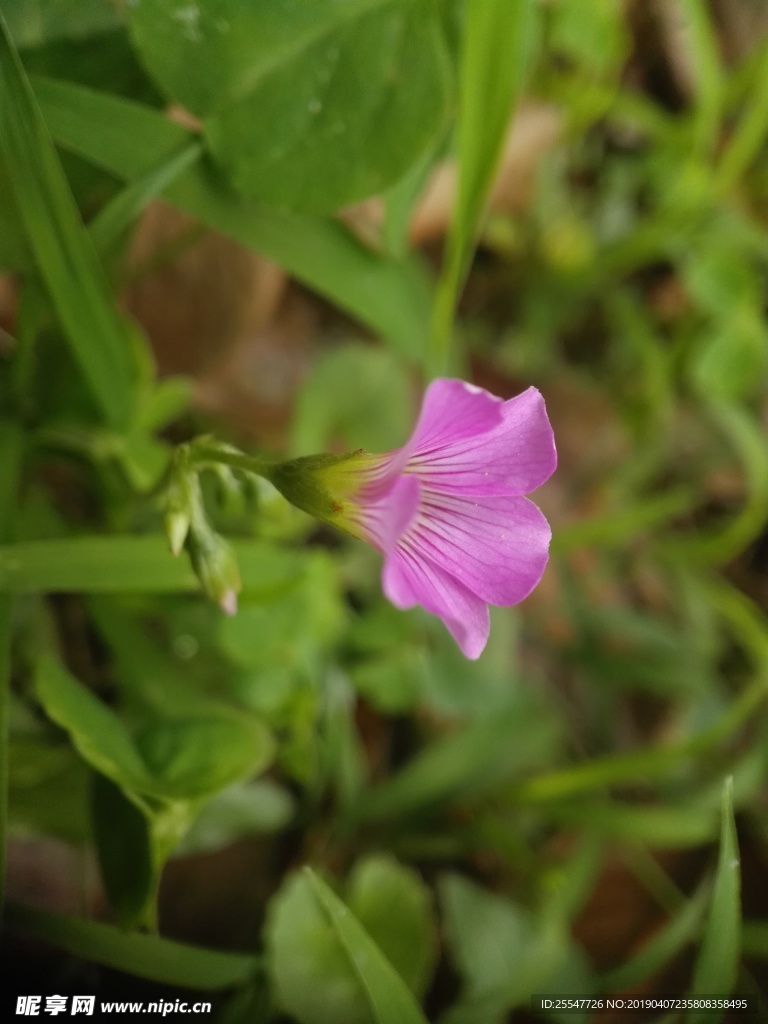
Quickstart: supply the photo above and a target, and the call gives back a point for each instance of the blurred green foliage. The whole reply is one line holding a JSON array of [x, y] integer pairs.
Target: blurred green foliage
[[457, 817]]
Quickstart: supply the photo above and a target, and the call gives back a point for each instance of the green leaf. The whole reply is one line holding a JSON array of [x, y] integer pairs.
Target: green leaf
[[96, 731], [494, 54], [287, 628], [310, 972], [170, 759], [148, 956], [62, 250], [375, 414], [131, 140], [325, 967], [143, 459], [394, 906], [243, 809], [123, 839], [151, 680], [190, 758], [166, 401], [486, 934], [388, 997], [717, 963], [290, 94], [33, 22], [504, 952]]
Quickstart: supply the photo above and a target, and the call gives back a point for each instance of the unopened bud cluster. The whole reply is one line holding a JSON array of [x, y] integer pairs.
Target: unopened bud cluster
[[324, 486], [187, 526]]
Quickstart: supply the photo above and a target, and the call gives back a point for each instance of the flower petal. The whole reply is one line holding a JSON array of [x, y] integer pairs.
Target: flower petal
[[452, 412], [513, 456], [409, 580], [496, 547], [382, 521]]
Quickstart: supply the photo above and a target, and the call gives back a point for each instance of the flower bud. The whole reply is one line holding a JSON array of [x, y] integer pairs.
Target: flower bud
[[179, 506], [215, 565]]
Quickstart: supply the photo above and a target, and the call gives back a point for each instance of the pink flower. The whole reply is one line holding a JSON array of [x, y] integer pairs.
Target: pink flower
[[447, 510]]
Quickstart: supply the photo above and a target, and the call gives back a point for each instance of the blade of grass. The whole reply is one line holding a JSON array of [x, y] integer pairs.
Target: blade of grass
[[717, 964], [144, 564], [495, 41], [114, 219], [455, 767], [6, 607], [747, 438], [11, 446], [129, 140], [662, 948], [148, 956], [616, 528], [64, 255], [106, 231], [390, 1000], [707, 73], [11, 450], [666, 826], [748, 624], [749, 130]]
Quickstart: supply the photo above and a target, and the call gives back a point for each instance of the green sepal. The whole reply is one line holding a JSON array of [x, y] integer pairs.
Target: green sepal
[[325, 485]]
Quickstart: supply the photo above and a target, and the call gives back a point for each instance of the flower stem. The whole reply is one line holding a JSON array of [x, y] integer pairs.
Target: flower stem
[[202, 453]]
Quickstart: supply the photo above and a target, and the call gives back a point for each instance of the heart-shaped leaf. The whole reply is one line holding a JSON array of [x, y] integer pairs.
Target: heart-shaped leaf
[[307, 105]]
